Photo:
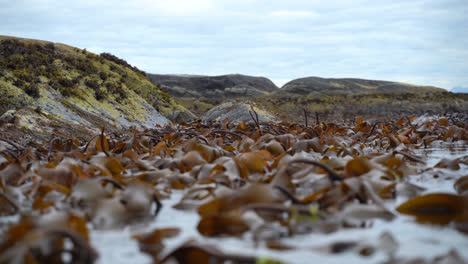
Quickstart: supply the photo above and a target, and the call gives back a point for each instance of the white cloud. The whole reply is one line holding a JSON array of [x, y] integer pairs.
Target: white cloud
[[293, 14], [173, 7]]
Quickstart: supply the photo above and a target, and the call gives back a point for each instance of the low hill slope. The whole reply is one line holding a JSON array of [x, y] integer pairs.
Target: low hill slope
[[77, 87], [304, 86]]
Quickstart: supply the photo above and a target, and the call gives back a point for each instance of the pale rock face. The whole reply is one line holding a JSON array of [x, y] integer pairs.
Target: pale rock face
[[26, 118], [8, 116], [33, 122], [237, 112], [52, 110], [52, 102]]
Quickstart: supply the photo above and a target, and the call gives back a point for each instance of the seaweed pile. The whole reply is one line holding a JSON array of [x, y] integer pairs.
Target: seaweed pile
[[263, 181]]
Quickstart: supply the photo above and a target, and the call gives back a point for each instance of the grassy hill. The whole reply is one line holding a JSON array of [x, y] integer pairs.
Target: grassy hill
[[347, 97], [76, 86], [225, 86], [304, 86]]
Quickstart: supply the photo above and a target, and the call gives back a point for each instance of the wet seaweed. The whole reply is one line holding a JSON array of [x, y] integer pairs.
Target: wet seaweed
[[268, 180]]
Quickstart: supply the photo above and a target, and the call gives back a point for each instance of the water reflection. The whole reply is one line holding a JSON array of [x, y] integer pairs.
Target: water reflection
[[433, 155]]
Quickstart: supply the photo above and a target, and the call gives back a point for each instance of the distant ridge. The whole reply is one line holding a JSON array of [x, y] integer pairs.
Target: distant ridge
[[459, 89], [222, 86], [244, 86]]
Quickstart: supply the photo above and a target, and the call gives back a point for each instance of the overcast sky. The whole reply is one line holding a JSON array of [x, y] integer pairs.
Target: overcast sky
[[418, 41]]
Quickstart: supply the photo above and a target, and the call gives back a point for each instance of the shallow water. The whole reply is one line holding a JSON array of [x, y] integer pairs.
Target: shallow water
[[415, 240], [433, 155]]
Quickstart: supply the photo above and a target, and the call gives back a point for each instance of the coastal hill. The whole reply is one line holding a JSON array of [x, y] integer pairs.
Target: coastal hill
[[72, 86], [346, 98], [304, 86]]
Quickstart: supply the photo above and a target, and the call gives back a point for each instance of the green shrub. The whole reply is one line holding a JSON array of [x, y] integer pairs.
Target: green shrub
[[103, 76], [117, 90], [23, 75], [122, 62], [121, 93], [76, 80], [32, 90], [100, 94], [112, 87], [54, 85], [70, 91], [92, 83], [65, 91], [50, 47], [165, 96], [113, 68], [19, 83], [9, 47], [84, 65], [66, 82], [90, 55]]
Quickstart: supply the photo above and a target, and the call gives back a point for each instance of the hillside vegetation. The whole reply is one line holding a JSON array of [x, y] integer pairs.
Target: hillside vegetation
[[73, 85], [58, 83], [375, 104], [307, 85], [335, 98]]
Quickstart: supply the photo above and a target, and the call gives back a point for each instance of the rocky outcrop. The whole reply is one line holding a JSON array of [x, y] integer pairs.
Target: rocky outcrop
[[236, 112]]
